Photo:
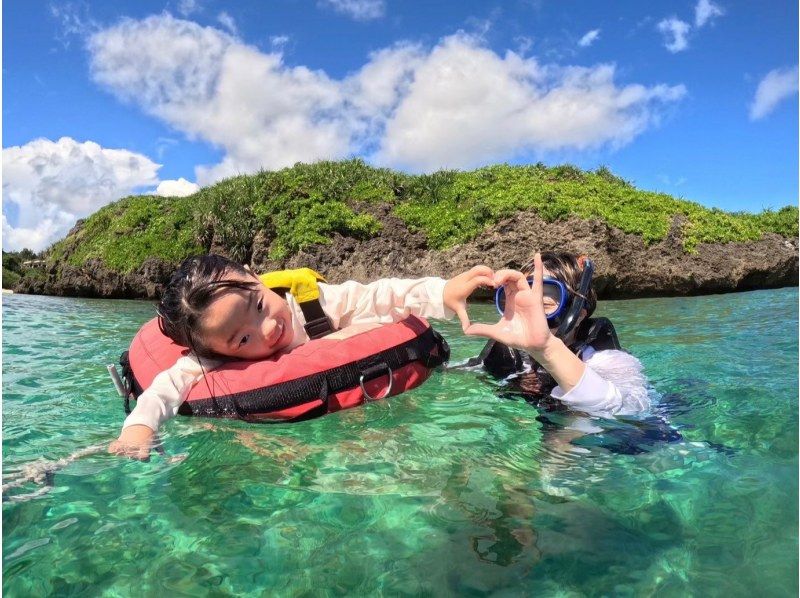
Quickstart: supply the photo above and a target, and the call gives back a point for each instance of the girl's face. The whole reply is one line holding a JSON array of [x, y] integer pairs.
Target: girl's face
[[247, 324]]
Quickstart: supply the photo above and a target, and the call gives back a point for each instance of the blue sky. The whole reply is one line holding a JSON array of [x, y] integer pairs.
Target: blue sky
[[695, 98]]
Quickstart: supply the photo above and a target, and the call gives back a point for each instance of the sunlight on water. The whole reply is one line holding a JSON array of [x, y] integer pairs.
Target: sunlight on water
[[450, 489]]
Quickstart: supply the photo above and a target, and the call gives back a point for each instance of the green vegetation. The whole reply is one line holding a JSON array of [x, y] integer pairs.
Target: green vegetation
[[14, 268], [294, 208], [124, 234], [464, 203], [10, 278]]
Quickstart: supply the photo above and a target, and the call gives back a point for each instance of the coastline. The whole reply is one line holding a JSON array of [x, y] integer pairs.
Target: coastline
[[626, 266]]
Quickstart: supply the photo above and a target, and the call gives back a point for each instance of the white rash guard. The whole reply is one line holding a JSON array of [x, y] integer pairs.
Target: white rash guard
[[612, 384]]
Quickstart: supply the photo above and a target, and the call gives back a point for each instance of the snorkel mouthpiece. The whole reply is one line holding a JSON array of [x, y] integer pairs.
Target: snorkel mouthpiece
[[578, 301]]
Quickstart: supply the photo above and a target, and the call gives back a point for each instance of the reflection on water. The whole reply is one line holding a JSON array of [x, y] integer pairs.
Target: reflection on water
[[451, 489]]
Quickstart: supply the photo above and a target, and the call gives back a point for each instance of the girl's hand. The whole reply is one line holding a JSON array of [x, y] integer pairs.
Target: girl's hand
[[460, 287], [524, 323], [134, 441]]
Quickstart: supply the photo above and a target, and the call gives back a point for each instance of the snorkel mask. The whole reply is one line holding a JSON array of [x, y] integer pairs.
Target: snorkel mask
[[562, 307]]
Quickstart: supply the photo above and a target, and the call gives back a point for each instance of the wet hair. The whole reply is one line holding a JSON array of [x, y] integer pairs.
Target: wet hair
[[568, 268], [191, 289]]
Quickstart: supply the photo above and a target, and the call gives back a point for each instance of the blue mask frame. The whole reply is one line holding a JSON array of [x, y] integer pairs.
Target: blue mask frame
[[500, 297]]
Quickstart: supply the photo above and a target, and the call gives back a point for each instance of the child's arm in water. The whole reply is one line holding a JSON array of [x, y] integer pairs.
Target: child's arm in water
[[155, 405], [524, 326]]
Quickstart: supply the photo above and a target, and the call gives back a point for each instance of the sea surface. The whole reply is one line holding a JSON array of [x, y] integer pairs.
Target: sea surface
[[453, 489]]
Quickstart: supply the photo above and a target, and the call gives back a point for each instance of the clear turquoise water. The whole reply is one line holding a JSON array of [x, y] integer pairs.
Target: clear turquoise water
[[446, 490]]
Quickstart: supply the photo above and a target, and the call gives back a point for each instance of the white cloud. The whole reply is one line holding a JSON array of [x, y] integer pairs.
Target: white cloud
[[176, 65], [179, 188], [524, 44], [163, 144], [468, 106], [676, 34], [227, 21], [360, 10], [588, 39], [48, 185], [705, 11], [374, 92], [456, 105], [278, 42], [74, 21], [776, 86], [188, 7], [206, 84]]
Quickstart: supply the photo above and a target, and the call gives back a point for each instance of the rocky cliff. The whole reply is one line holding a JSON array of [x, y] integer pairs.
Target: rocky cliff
[[626, 266]]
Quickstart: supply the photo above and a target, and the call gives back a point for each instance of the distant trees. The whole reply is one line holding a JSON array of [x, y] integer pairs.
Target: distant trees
[[14, 265]]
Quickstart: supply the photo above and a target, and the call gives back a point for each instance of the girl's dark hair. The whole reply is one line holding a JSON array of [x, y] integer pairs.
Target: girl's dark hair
[[568, 268], [194, 285]]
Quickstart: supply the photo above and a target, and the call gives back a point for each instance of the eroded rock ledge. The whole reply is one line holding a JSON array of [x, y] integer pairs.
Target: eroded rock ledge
[[625, 266]]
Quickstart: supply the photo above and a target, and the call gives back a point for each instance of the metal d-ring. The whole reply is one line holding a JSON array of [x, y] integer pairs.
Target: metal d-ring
[[371, 373]]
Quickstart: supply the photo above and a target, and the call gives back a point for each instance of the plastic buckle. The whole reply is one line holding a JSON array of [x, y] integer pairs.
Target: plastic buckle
[[318, 328]]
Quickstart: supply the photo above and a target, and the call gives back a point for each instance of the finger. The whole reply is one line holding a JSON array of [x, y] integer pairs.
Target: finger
[[511, 277], [501, 276], [481, 281], [143, 454], [511, 299], [538, 285], [537, 296], [128, 450], [114, 448], [461, 312], [482, 270], [487, 330]]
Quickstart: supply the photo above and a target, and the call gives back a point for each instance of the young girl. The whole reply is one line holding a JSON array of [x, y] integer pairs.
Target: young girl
[[547, 337], [222, 311]]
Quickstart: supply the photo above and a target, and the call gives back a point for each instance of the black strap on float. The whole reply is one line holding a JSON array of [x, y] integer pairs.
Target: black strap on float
[[429, 348], [318, 324], [322, 409]]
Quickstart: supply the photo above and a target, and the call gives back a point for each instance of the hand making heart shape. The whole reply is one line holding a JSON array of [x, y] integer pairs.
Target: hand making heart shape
[[523, 324]]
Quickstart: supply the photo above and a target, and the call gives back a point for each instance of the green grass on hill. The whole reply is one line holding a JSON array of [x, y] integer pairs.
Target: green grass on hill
[[304, 205], [125, 233], [453, 207]]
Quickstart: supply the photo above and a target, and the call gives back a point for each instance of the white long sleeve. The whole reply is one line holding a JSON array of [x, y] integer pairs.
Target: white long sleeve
[[612, 384], [161, 400], [382, 301]]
